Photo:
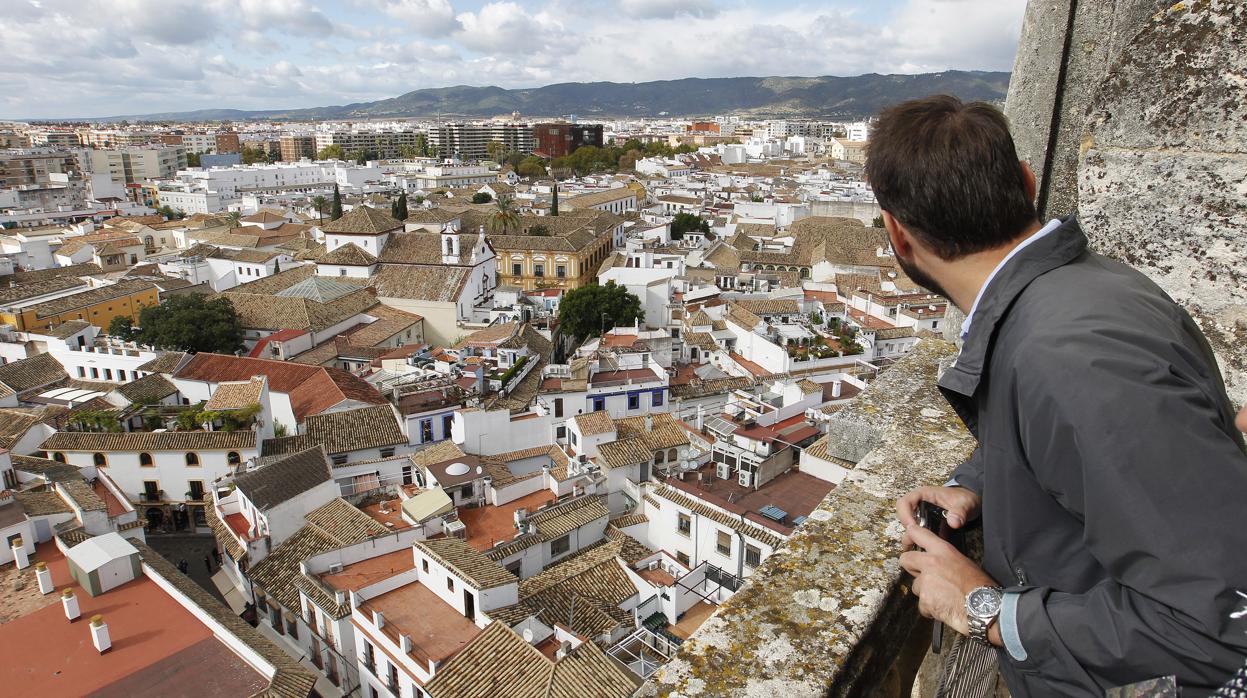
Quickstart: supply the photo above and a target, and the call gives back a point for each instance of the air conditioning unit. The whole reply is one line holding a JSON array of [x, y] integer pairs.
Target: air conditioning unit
[[653, 565], [723, 470], [335, 567], [745, 478]]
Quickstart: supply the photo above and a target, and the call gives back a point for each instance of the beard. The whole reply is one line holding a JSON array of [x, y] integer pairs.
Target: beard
[[920, 277]]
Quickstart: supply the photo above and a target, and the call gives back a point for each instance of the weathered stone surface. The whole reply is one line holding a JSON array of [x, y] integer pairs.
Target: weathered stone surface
[[1066, 49], [1163, 175], [828, 612]]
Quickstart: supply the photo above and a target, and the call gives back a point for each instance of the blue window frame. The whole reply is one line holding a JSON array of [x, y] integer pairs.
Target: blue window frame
[[657, 398], [634, 401], [447, 423], [599, 404]]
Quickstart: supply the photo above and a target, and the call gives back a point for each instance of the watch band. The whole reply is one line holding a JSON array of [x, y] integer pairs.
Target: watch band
[[979, 625]]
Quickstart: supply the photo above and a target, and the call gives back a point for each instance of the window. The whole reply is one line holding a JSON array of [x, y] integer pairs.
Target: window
[[450, 583], [634, 401], [599, 404], [753, 556], [339, 459], [560, 432], [108, 374], [561, 271], [406, 474], [95, 372], [426, 430], [517, 269], [424, 564], [558, 407], [99, 460], [387, 452], [672, 455], [192, 458], [233, 458], [82, 372], [292, 627], [448, 421], [657, 400], [261, 604], [539, 270], [723, 544], [658, 457], [682, 557], [58, 457], [466, 492], [558, 546], [196, 490], [684, 525]]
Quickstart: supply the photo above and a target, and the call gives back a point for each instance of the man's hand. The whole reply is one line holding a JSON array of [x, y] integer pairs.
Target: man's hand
[[942, 579], [961, 504]]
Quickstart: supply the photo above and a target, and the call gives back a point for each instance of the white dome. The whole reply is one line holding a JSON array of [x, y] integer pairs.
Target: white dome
[[457, 469]]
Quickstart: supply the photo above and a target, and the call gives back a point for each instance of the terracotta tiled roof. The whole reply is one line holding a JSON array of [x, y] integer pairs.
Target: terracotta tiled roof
[[149, 441], [274, 312], [236, 395], [363, 220], [465, 562], [623, 452], [439, 452], [100, 294], [343, 431], [34, 372], [718, 516], [349, 254], [147, 390], [774, 306], [42, 503], [312, 389], [428, 283], [13, 425], [165, 363], [629, 520], [592, 423], [282, 480], [566, 517]]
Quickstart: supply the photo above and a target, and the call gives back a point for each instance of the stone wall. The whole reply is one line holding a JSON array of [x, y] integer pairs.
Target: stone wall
[[829, 613], [1134, 115]]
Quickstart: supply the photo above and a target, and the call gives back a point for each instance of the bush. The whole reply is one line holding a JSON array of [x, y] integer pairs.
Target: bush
[[481, 197]]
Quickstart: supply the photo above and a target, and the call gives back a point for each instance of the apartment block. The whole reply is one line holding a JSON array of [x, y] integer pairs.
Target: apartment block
[[134, 165], [296, 146], [556, 140], [471, 141]]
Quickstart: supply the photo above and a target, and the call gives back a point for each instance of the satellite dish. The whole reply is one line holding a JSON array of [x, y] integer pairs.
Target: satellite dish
[[479, 470], [457, 469], [528, 635]]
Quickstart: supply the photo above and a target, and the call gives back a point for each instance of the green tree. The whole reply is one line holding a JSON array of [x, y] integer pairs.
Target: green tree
[[496, 150], [422, 145], [503, 219], [539, 230], [252, 155], [233, 219], [481, 197], [531, 166], [878, 221], [592, 309], [554, 199], [407, 151], [688, 223], [335, 210], [192, 322], [122, 327], [400, 207], [192, 159], [331, 152], [320, 203], [170, 213]]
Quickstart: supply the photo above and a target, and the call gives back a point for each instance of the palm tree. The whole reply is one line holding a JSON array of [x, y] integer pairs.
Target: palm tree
[[320, 203], [232, 219], [504, 219]]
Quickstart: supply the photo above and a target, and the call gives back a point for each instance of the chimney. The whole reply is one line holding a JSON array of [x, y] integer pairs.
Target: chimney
[[44, 576], [339, 597], [564, 648], [835, 388], [378, 619], [99, 634], [649, 422], [700, 417], [70, 602], [20, 557], [405, 643]]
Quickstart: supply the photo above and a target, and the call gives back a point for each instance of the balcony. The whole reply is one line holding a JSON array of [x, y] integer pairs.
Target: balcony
[[833, 595], [152, 497]]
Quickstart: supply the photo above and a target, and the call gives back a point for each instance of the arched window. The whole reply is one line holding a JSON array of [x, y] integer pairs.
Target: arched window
[[145, 460], [658, 457], [58, 457], [233, 458], [99, 460], [192, 458], [672, 455]]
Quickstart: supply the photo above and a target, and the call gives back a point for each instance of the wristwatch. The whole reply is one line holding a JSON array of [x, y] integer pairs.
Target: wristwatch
[[982, 609]]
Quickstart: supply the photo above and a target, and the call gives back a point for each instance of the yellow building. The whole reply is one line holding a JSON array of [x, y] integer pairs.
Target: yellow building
[[97, 306], [567, 258]]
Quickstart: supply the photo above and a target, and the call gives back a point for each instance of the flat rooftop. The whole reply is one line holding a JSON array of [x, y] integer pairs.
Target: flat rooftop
[[388, 513], [795, 492], [436, 629], [374, 569], [159, 648], [488, 526]]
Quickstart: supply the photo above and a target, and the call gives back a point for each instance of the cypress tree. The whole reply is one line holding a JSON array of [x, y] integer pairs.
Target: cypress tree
[[400, 207], [554, 202], [335, 212]]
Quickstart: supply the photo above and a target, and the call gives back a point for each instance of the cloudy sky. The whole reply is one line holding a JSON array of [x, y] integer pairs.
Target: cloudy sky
[[67, 58]]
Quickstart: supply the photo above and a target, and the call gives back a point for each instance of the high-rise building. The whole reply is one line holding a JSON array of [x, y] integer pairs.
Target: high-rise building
[[22, 167], [134, 165], [296, 146], [471, 141], [227, 142], [556, 140], [378, 144]]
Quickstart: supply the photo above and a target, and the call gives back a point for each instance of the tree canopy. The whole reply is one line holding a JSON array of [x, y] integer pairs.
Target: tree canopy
[[335, 210], [504, 219], [191, 322], [688, 223], [481, 197], [591, 309], [398, 207], [589, 158], [331, 152], [531, 166], [252, 155]]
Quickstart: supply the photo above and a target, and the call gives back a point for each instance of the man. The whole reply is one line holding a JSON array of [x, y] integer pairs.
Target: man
[[1110, 479]]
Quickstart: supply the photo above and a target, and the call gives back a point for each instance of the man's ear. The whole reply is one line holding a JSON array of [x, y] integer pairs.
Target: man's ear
[[1028, 181], [898, 236]]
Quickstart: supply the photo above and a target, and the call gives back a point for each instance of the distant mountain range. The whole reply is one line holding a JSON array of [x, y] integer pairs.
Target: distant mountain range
[[828, 97]]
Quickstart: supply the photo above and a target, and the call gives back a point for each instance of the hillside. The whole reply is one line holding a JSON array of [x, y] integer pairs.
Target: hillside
[[817, 97]]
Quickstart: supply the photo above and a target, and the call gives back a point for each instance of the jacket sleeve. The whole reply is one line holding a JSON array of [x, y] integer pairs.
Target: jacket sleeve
[[970, 473], [1133, 435]]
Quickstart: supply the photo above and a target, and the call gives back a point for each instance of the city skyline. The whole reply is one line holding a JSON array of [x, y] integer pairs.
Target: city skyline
[[132, 57]]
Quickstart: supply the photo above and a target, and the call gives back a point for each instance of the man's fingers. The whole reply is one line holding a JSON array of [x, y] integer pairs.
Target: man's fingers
[[957, 503], [925, 539], [913, 562], [905, 507]]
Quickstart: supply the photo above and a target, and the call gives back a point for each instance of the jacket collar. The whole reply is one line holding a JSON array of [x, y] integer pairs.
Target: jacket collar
[[1058, 248]]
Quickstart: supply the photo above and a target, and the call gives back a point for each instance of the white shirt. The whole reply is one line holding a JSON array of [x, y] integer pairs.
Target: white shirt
[[1051, 226]]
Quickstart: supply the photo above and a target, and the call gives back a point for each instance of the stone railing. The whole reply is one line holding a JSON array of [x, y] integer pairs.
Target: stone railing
[[830, 613]]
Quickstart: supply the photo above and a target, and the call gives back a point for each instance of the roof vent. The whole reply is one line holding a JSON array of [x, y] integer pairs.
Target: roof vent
[[335, 568]]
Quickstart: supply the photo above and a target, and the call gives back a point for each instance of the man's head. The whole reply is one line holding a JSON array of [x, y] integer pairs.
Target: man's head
[[948, 179]]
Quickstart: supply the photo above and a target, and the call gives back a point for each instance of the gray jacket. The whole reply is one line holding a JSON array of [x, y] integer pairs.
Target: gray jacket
[[1114, 484]]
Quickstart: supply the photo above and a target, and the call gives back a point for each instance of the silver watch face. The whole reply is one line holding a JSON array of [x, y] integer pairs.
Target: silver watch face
[[984, 602]]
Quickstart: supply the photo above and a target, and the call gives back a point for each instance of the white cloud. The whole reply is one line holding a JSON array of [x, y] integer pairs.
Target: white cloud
[[134, 56]]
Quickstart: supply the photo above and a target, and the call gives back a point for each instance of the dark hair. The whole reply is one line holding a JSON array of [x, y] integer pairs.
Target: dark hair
[[949, 172]]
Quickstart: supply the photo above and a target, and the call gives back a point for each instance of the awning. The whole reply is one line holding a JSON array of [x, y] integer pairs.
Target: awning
[[427, 504]]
